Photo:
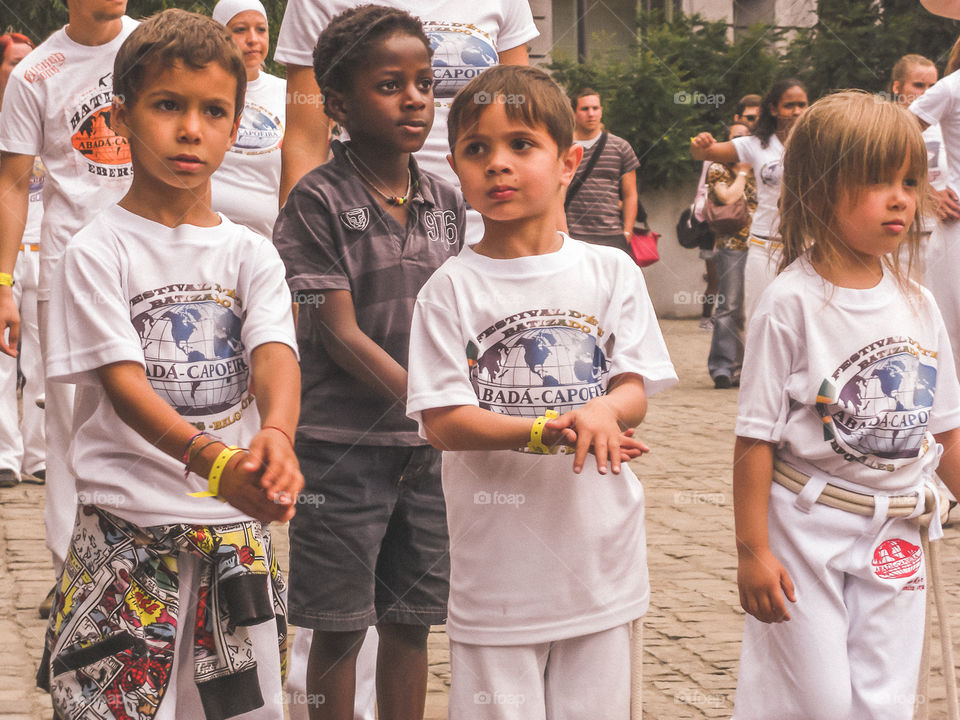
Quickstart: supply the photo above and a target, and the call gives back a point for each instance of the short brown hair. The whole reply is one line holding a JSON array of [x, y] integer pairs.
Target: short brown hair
[[528, 94], [195, 40], [843, 143], [746, 101], [902, 67], [582, 93]]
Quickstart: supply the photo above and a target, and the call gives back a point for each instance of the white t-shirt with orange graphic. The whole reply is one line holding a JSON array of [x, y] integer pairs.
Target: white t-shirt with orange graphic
[[57, 106]]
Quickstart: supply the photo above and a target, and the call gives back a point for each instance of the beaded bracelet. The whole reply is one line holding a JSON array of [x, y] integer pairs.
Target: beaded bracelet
[[185, 455]]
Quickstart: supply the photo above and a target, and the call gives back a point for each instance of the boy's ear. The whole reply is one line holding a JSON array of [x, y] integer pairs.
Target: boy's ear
[[570, 161], [334, 106], [118, 118], [452, 163], [236, 129]]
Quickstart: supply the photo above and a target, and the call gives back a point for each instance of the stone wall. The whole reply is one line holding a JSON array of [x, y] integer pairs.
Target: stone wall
[[675, 283]]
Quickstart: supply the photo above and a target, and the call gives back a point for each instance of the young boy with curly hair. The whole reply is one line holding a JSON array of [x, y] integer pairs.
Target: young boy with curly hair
[[359, 236]]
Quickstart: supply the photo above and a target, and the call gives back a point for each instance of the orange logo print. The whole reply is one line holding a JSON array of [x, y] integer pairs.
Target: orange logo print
[[98, 143]]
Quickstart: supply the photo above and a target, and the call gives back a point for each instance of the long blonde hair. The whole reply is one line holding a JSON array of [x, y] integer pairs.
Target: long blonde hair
[[843, 143]]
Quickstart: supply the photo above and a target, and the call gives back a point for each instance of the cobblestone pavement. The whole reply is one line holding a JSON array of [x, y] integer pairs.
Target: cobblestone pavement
[[692, 632]]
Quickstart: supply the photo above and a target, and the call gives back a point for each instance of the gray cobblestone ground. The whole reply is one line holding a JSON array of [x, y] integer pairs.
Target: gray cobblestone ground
[[692, 632]]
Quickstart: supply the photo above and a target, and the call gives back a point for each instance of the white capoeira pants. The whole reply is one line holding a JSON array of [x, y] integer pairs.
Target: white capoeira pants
[[580, 678], [365, 697], [853, 645], [22, 444], [182, 699], [763, 258], [61, 490]]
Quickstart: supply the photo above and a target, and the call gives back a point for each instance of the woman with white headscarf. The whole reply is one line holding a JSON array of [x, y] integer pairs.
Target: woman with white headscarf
[[246, 187]]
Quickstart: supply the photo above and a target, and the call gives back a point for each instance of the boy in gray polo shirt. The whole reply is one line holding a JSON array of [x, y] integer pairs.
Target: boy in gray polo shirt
[[359, 237]]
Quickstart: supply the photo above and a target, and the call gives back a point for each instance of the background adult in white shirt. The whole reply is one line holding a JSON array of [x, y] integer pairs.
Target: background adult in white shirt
[[22, 443], [246, 186]]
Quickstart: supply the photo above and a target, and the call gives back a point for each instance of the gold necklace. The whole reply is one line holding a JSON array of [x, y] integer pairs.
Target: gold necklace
[[391, 199]]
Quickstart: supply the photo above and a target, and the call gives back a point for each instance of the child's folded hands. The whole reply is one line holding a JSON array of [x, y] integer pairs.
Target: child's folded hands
[[595, 428]]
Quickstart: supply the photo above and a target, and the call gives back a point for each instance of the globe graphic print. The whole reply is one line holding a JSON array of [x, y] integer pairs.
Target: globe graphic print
[[557, 368], [457, 59], [883, 410], [194, 356], [260, 131]]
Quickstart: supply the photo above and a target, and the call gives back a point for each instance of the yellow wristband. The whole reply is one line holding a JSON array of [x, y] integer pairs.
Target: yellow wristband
[[6, 279], [216, 471], [536, 433]]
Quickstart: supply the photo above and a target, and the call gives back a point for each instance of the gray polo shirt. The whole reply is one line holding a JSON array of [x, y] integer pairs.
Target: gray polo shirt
[[333, 235]]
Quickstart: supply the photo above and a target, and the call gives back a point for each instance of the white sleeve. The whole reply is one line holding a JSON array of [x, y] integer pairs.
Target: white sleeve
[[764, 401], [518, 26], [438, 372], [89, 316], [21, 122], [936, 103], [303, 21], [945, 413], [638, 346], [746, 148], [268, 315]]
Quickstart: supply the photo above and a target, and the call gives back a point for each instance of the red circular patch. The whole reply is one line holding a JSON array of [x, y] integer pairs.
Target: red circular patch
[[896, 558]]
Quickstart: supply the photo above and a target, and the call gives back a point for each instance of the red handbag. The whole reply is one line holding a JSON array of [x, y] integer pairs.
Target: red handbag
[[643, 246]]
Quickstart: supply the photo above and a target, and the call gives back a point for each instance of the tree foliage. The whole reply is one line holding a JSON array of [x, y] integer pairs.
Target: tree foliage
[[686, 75], [854, 44], [681, 77]]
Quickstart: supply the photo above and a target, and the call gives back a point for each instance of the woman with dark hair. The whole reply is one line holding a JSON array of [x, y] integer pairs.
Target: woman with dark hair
[[763, 151]]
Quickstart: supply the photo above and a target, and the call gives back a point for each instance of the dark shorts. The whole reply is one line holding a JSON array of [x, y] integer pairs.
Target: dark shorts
[[369, 541]]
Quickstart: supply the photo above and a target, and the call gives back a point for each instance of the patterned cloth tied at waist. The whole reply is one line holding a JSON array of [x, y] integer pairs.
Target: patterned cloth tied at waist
[[109, 649]]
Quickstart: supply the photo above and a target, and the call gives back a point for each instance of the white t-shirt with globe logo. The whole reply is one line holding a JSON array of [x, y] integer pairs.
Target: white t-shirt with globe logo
[[537, 553], [849, 383], [246, 186], [189, 304]]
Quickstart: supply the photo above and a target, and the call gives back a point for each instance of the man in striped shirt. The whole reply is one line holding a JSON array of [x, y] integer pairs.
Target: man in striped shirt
[[602, 207]]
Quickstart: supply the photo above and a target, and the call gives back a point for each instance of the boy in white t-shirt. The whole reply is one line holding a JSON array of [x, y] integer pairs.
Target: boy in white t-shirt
[[171, 604], [548, 557]]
